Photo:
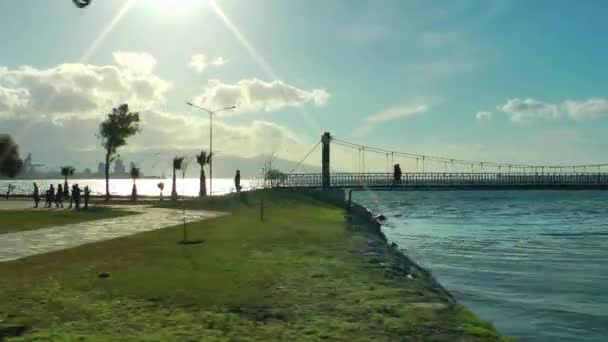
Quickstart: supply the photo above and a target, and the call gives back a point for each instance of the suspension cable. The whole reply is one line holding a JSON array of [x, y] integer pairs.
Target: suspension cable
[[306, 156]]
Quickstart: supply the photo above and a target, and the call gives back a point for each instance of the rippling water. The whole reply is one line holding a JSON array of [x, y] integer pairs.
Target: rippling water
[[146, 187], [533, 262]]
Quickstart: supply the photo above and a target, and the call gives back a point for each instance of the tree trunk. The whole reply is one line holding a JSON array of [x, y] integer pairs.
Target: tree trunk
[[203, 184], [173, 187], [107, 171]]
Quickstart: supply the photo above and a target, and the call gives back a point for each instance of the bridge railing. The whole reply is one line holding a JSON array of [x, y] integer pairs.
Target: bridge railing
[[440, 179]]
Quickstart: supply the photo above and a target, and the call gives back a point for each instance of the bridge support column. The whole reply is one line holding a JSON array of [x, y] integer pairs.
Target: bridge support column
[[325, 140]]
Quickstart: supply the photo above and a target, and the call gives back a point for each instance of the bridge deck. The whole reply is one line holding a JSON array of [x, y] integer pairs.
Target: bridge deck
[[440, 180]]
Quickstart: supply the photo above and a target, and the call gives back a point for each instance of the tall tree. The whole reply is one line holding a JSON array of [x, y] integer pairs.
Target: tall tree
[[67, 171], [203, 159], [177, 165], [10, 162], [134, 172], [114, 131]]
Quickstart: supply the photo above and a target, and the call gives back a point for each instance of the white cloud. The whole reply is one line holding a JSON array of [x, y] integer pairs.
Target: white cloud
[[591, 108], [200, 62], [82, 90], [162, 131], [389, 114], [139, 62], [251, 95], [530, 109], [396, 113], [219, 61], [522, 110], [483, 115]]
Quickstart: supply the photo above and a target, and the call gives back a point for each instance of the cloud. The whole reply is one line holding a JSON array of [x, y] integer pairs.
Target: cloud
[[170, 131], [389, 114], [250, 95], [396, 113], [200, 62], [219, 61], [530, 109], [591, 108], [522, 110], [139, 62], [483, 115], [81, 90]]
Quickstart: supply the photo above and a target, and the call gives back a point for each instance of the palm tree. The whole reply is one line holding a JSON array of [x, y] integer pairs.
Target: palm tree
[[203, 159], [114, 131], [67, 171], [10, 162], [177, 165], [134, 175]]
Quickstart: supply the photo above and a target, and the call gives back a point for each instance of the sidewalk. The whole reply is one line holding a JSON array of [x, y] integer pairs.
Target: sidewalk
[[23, 244]]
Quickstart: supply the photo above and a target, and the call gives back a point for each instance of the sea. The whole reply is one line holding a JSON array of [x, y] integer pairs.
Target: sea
[[122, 187], [535, 263]]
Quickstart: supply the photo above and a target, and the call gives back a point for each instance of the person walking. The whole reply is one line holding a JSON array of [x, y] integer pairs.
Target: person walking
[[87, 195], [76, 194], [36, 195], [50, 196], [237, 181], [72, 196], [59, 196], [397, 174]]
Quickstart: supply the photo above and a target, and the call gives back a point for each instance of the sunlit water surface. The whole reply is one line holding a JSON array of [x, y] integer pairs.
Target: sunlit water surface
[[146, 187]]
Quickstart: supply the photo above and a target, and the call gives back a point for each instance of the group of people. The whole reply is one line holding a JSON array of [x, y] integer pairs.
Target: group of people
[[56, 197]]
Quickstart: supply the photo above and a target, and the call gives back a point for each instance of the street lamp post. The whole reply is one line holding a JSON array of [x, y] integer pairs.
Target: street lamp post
[[210, 112]]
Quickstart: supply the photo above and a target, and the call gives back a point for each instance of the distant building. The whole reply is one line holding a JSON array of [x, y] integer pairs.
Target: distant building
[[87, 172], [101, 168], [119, 168]]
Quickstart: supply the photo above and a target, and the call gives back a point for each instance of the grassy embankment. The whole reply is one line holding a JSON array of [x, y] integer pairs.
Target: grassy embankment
[[303, 273], [20, 220]]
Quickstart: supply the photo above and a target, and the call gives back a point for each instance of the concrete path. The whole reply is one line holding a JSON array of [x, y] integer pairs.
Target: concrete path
[[22, 244]]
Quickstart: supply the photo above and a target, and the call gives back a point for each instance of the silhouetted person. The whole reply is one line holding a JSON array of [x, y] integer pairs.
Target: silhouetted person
[[50, 196], [11, 187], [237, 181], [59, 196], [36, 195], [87, 195], [72, 196], [76, 194], [397, 174]]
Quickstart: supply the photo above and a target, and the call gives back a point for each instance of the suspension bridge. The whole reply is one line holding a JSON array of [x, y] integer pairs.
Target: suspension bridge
[[432, 172]]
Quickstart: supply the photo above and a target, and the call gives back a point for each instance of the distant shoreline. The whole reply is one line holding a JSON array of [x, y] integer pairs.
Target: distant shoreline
[[76, 178]]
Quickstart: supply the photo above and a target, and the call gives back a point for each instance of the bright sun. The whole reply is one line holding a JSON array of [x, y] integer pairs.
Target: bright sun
[[173, 4]]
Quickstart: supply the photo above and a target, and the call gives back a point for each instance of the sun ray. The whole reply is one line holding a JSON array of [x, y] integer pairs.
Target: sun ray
[[103, 34], [257, 57]]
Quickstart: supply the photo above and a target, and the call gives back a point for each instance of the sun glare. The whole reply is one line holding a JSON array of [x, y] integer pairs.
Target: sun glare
[[173, 4]]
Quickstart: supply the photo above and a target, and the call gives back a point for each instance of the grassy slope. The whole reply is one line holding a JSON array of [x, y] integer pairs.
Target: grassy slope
[[20, 220], [299, 275]]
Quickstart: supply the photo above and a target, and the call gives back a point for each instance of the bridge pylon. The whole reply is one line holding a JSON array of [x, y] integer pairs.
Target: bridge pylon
[[325, 140]]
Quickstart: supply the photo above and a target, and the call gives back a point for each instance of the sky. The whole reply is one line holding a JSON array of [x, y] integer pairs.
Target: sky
[[506, 81]]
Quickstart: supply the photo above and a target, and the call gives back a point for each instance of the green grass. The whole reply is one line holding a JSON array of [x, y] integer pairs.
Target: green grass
[[299, 275], [19, 220]]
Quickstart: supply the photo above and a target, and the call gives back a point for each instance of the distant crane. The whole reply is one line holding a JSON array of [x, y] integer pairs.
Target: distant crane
[[28, 167]]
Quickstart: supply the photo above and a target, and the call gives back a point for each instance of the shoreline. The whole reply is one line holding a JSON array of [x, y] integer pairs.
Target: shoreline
[[375, 227]]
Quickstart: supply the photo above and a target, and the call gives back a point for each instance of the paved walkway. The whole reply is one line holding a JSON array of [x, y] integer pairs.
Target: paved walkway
[[22, 244]]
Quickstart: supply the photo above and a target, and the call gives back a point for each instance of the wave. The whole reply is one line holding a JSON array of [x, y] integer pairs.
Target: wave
[[576, 234]]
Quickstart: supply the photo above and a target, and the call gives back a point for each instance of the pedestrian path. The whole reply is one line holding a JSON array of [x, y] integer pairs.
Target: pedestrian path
[[23, 244]]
